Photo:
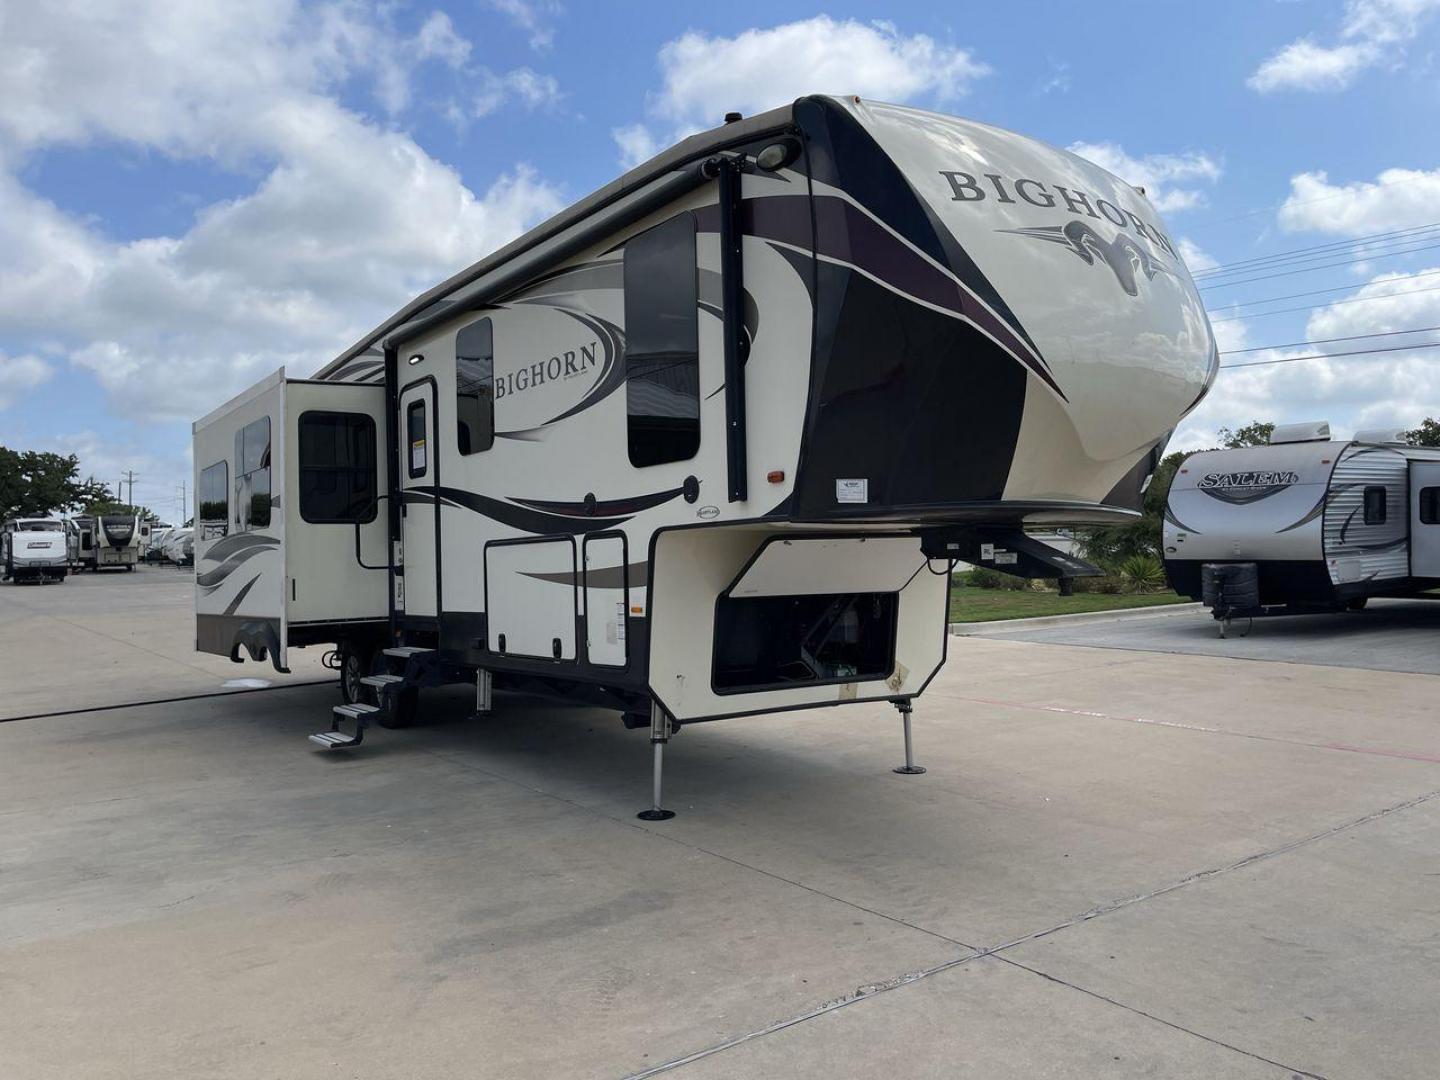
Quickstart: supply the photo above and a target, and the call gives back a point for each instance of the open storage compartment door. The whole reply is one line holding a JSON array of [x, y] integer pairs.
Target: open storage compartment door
[[240, 526]]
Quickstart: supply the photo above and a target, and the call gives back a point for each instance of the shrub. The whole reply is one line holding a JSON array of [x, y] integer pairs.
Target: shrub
[[982, 577], [1106, 583], [1142, 573]]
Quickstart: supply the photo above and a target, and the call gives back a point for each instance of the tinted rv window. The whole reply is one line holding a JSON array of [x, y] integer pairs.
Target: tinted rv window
[[1430, 506], [1375, 505], [415, 436], [662, 347], [475, 387], [214, 517], [252, 472], [337, 467]]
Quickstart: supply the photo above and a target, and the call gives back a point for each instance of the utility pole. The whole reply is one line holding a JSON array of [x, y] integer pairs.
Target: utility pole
[[130, 477]]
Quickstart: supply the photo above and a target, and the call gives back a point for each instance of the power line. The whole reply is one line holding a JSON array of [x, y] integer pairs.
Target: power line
[[1317, 199], [1369, 238], [1318, 292], [1322, 266], [1361, 253], [1332, 355], [1332, 340], [1329, 304]]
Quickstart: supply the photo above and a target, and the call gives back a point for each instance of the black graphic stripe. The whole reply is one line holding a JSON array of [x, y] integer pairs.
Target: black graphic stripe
[[607, 508], [517, 517], [234, 605]]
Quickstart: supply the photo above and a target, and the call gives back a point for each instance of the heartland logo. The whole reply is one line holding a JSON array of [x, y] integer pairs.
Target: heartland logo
[[1245, 487]]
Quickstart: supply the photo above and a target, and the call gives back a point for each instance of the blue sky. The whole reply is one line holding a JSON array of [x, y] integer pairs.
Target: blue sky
[[193, 194]]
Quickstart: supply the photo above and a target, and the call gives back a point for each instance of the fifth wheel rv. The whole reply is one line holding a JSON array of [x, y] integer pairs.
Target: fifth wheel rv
[[107, 541], [1306, 523], [707, 443]]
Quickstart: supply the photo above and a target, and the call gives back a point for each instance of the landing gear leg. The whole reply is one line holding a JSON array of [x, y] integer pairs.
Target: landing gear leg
[[483, 692], [909, 768], [660, 732]]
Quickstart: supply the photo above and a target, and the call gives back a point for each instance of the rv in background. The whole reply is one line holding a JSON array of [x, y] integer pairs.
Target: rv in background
[[33, 549], [707, 443], [1306, 523], [107, 541]]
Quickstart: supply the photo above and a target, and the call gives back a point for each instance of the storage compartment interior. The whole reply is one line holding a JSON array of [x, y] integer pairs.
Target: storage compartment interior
[[776, 641]]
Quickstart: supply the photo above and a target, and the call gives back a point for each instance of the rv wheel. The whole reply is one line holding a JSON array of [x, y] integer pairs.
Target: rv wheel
[[404, 706], [354, 665], [1358, 604]]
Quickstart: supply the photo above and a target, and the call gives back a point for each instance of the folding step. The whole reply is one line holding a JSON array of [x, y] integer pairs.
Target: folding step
[[380, 682], [404, 652], [335, 739]]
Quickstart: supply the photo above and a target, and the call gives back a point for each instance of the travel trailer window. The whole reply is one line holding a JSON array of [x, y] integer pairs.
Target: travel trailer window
[[415, 430], [337, 468], [767, 642], [1375, 505], [214, 500], [475, 387], [1430, 506], [662, 343], [252, 467]]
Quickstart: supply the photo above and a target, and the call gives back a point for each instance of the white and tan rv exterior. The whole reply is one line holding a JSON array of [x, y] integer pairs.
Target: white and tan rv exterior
[[108, 541], [702, 444], [1328, 523], [33, 549]]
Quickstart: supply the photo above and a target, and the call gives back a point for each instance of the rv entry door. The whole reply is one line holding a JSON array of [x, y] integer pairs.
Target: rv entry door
[[1425, 519], [420, 500]]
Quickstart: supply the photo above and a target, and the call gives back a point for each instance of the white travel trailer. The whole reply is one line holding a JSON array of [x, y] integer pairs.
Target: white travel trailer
[[33, 549], [1308, 522], [706, 443], [107, 541]]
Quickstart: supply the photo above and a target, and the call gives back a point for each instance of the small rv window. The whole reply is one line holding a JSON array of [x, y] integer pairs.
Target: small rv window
[[1375, 505], [415, 432], [252, 473], [662, 349], [1430, 506], [214, 516], [337, 468], [475, 387]]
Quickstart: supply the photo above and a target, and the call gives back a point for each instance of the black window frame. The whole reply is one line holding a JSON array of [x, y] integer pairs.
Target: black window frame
[[662, 335], [1373, 504], [475, 346], [212, 527], [1427, 505], [261, 465], [416, 406], [367, 438]]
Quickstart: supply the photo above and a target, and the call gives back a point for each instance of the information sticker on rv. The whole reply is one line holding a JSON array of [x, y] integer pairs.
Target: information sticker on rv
[[417, 456], [987, 552], [852, 491], [1006, 558]]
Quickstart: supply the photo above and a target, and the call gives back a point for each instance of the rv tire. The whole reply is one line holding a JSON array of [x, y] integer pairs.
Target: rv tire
[[404, 706], [1357, 604], [356, 661]]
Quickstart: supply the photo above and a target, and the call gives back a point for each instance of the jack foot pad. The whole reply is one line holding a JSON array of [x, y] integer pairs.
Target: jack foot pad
[[909, 770], [655, 815]]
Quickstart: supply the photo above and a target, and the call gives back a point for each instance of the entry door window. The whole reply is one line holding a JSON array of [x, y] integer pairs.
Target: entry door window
[[417, 440]]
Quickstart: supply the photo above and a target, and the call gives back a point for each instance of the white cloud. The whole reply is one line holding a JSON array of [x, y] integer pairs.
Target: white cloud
[[636, 144], [703, 77], [535, 17], [1168, 179], [437, 37], [530, 88], [1373, 32], [348, 221], [19, 374], [1196, 258], [1396, 199]]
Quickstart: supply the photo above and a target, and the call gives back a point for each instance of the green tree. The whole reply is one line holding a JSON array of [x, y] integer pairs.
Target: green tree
[[34, 483], [1111, 545], [1256, 433], [1427, 434], [110, 506]]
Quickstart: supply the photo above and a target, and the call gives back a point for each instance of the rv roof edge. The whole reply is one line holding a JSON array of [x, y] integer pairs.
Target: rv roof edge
[[1309, 431]]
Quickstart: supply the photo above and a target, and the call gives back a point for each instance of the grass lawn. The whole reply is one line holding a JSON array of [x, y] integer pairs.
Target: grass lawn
[[982, 605]]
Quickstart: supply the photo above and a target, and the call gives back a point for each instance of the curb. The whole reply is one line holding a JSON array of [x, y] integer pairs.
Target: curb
[[1079, 618]]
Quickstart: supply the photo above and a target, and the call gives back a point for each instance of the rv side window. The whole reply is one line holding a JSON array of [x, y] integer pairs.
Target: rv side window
[[252, 473], [214, 517], [1430, 506], [475, 387], [1375, 505], [337, 468], [662, 344], [415, 433]]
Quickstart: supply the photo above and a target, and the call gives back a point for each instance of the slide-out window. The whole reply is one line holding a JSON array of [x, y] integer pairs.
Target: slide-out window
[[252, 471], [416, 440], [769, 642], [337, 468], [214, 517], [1375, 505], [1430, 506], [475, 387], [662, 343]]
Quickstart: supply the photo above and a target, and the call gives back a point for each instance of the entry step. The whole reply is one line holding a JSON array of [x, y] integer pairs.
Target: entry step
[[404, 652], [379, 682], [334, 740], [355, 711]]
